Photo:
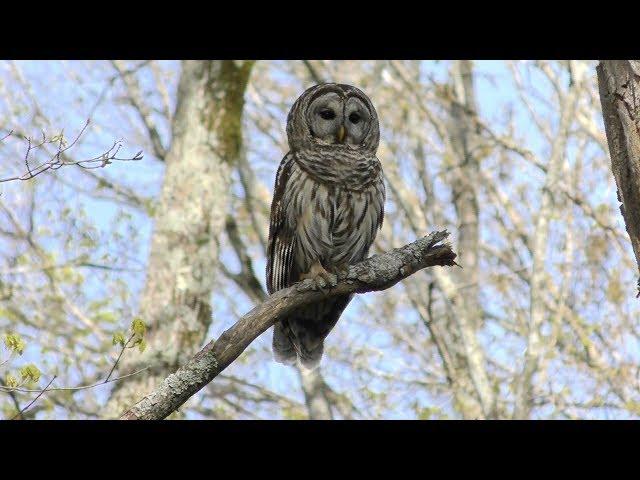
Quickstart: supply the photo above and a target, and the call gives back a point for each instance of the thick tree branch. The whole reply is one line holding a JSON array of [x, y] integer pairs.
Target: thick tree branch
[[376, 273]]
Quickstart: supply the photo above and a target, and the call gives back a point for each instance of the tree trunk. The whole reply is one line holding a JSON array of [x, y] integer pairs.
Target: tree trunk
[[619, 85], [315, 395], [537, 307], [463, 181], [175, 303]]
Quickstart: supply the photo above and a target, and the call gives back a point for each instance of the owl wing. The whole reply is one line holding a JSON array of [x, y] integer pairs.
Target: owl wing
[[282, 241]]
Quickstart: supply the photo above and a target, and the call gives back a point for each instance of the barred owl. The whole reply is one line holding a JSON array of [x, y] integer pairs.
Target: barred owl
[[327, 208]]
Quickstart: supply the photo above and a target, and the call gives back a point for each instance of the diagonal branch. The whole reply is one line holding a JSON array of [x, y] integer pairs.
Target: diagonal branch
[[376, 273], [21, 412]]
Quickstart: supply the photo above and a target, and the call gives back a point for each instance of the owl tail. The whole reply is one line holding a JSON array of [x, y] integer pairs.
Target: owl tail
[[282, 346], [289, 348], [301, 338]]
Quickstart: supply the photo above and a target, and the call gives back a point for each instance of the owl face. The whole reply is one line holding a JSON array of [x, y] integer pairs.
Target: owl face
[[333, 114], [335, 119]]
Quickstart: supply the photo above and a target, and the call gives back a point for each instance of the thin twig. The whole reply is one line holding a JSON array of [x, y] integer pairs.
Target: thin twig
[[7, 135], [119, 357], [21, 412], [57, 161], [68, 389]]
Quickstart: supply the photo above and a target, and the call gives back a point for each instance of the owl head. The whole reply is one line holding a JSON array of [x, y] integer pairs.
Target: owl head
[[333, 114]]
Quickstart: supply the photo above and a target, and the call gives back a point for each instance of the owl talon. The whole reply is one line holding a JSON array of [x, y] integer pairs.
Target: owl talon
[[342, 272], [320, 277], [306, 285]]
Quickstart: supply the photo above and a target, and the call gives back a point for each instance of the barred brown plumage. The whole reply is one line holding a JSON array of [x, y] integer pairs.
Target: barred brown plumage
[[327, 208]]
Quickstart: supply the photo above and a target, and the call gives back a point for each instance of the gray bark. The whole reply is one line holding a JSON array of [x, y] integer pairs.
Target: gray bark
[[619, 85], [189, 217], [376, 273]]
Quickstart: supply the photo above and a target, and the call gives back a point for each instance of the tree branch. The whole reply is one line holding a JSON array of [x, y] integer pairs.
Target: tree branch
[[376, 273], [135, 98], [59, 158]]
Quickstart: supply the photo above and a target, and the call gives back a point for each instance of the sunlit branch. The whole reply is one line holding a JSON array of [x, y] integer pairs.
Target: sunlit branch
[[373, 274], [58, 159]]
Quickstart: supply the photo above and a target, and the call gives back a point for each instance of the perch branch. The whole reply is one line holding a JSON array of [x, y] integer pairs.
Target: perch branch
[[376, 273]]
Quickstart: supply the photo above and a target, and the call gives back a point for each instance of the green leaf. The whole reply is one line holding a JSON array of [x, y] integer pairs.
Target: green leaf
[[14, 342], [118, 339], [30, 372], [11, 381], [138, 327]]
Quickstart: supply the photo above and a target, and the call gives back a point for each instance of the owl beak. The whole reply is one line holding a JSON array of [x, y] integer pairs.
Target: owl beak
[[341, 133]]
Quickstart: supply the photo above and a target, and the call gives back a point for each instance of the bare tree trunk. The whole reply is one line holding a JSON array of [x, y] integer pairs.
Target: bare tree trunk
[[457, 342], [315, 395], [537, 308], [619, 85], [189, 218], [463, 182]]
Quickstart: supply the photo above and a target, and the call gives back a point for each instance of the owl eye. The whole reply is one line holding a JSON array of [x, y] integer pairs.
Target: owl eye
[[327, 114], [354, 117]]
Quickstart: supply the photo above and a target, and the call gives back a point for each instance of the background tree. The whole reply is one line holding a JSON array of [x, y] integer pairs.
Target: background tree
[[188, 219], [619, 83]]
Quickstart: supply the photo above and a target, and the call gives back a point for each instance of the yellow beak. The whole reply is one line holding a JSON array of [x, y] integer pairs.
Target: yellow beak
[[341, 133]]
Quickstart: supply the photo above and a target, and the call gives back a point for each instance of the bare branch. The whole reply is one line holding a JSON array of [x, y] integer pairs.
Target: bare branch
[[313, 73], [376, 273], [73, 389], [58, 159], [539, 244], [135, 99], [124, 346], [20, 413]]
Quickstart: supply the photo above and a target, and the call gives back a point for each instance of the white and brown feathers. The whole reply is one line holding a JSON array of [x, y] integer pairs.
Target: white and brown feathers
[[328, 206]]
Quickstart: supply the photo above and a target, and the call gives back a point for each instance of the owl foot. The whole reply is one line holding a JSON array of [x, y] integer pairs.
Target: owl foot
[[342, 271], [320, 277]]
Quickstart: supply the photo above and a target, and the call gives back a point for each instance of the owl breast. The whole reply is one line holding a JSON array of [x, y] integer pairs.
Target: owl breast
[[332, 222]]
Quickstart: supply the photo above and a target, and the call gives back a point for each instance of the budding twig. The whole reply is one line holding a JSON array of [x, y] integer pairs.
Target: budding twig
[[58, 159]]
